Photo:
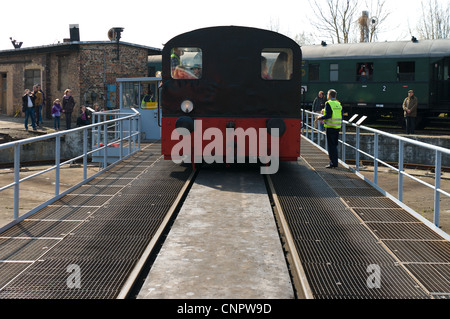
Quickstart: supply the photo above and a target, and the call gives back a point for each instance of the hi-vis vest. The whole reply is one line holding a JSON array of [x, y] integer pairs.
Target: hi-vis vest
[[336, 118], [173, 55]]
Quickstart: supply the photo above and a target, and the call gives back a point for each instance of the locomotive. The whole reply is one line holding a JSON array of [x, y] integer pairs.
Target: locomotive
[[231, 94]]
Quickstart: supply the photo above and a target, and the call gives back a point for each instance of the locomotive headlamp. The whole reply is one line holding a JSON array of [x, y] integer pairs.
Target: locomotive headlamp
[[187, 106]]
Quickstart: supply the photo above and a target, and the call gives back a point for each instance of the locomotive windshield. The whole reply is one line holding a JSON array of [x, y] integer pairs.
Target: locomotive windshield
[[186, 63], [276, 64]]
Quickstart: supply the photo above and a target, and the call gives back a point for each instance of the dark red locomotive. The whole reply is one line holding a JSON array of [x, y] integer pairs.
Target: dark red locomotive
[[223, 87]]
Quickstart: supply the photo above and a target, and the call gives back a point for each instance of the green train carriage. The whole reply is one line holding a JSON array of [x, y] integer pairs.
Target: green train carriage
[[373, 79]]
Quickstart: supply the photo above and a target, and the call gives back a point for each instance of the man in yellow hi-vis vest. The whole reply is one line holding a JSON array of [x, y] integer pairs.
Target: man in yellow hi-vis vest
[[333, 123]]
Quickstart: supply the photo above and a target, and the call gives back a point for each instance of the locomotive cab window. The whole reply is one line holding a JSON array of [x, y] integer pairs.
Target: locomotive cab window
[[186, 63], [276, 64]]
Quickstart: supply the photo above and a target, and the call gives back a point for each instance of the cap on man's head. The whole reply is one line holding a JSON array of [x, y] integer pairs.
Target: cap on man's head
[[410, 91]]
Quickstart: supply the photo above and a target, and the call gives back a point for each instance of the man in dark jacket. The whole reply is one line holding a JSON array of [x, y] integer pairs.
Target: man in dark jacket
[[410, 111], [28, 108], [68, 105]]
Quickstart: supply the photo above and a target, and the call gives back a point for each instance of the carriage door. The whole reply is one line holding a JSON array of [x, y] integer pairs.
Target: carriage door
[[445, 92], [440, 85]]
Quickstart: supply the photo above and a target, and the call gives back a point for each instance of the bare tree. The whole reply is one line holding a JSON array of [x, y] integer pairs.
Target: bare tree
[[274, 25], [436, 21], [335, 18], [340, 21], [304, 38]]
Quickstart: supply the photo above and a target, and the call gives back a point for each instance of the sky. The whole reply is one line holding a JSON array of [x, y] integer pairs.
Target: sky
[[152, 23]]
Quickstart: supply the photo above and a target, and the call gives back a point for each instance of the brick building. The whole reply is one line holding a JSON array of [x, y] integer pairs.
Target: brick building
[[89, 69]]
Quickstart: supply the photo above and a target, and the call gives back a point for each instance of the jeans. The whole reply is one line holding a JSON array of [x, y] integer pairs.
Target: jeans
[[29, 111], [56, 122], [39, 115]]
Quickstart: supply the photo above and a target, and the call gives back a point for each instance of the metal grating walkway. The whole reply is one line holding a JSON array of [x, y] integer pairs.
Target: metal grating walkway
[[341, 226], [104, 235]]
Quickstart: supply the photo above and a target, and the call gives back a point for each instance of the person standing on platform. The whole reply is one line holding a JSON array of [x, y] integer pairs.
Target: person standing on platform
[[56, 113], [317, 107], [28, 108], [333, 123], [68, 105], [410, 111], [38, 101], [39, 108]]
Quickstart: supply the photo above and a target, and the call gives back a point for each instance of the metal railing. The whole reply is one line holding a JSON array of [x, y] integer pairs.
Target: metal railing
[[111, 131], [314, 134]]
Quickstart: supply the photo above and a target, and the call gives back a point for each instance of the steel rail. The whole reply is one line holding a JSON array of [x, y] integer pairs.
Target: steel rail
[[137, 269], [300, 281]]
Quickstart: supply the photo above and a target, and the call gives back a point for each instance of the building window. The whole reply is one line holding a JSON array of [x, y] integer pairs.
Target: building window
[[313, 72], [276, 64], [364, 72], [334, 72], [32, 77], [63, 72], [186, 63], [406, 71]]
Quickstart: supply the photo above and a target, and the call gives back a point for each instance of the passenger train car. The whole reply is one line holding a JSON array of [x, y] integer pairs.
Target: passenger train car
[[373, 79], [221, 81]]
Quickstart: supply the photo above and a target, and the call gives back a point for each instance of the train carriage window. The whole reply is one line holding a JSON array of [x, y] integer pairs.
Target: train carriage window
[[186, 63], [406, 71], [276, 64], [313, 72], [334, 72], [364, 72]]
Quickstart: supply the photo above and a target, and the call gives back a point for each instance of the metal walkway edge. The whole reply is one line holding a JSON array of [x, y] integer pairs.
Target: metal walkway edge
[[352, 241], [85, 246]]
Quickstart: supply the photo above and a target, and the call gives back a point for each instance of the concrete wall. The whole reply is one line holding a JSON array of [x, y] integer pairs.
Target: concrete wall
[[388, 149], [71, 146]]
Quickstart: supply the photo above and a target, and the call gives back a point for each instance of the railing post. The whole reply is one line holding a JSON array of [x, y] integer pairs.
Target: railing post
[[437, 186], [302, 119], [400, 170], [105, 145], [129, 135], [121, 139], [307, 126], [313, 131], [16, 180], [311, 125], [85, 150], [375, 158], [344, 129], [57, 163], [138, 130], [357, 148]]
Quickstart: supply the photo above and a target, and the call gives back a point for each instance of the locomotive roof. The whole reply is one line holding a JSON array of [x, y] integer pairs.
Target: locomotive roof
[[211, 35], [422, 48]]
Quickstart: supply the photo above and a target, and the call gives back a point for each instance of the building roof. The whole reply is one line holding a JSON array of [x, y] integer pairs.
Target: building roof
[[72, 46], [421, 48]]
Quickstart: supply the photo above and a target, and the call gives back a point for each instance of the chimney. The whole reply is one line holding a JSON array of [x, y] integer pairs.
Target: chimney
[[74, 33]]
